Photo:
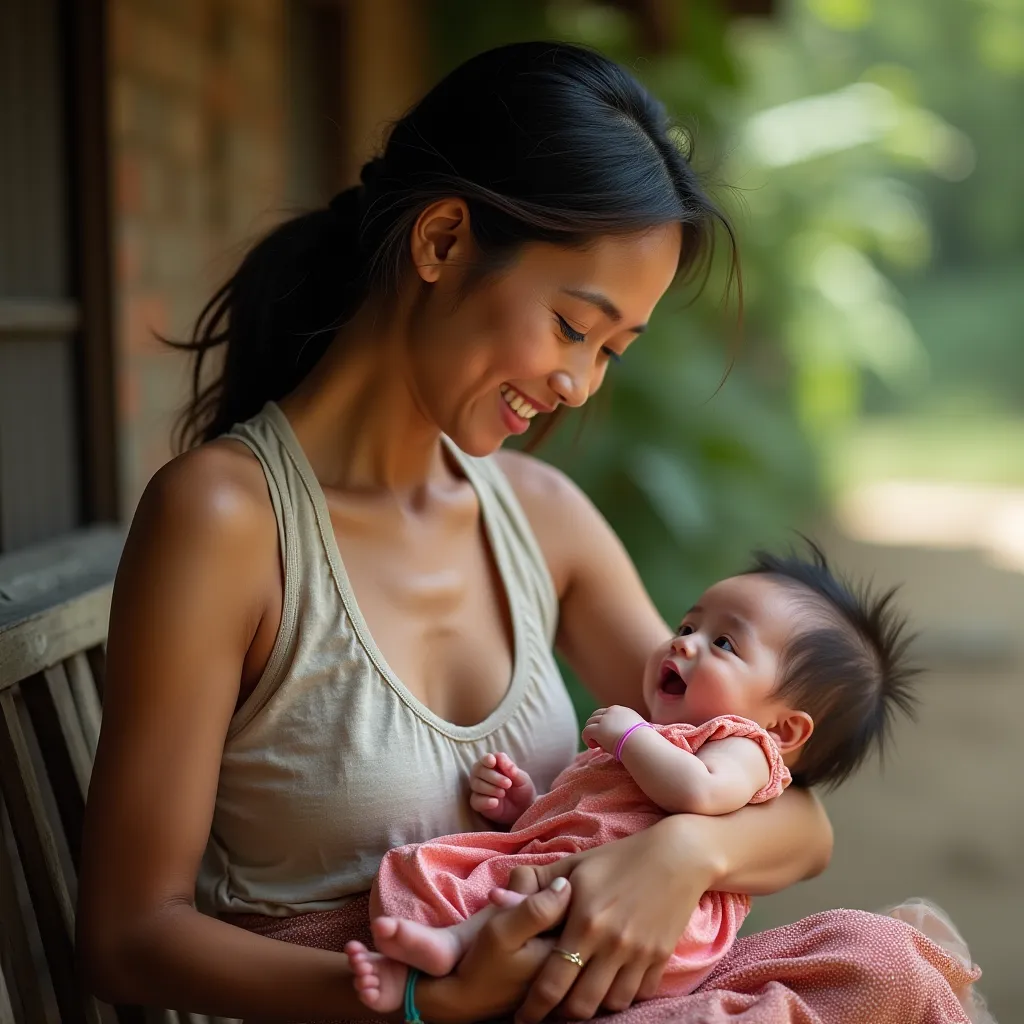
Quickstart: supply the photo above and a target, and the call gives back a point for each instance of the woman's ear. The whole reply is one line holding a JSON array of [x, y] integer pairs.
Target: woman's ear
[[792, 729], [441, 239]]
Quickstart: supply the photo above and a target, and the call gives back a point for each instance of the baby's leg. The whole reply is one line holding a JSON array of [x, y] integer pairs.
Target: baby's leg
[[433, 950]]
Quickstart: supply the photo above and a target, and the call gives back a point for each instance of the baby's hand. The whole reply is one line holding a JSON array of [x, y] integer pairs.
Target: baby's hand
[[605, 726], [499, 790]]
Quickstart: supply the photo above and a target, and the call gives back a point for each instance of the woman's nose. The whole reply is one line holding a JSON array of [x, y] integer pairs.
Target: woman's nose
[[570, 387]]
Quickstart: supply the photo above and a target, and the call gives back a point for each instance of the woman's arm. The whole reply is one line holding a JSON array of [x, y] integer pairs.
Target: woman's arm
[[193, 584], [764, 848], [607, 624]]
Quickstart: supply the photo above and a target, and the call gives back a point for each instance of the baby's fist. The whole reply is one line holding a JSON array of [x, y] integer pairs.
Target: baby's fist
[[606, 726], [499, 790]]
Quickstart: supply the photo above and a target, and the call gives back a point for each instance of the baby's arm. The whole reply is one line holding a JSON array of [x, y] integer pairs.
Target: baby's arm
[[720, 778], [499, 789]]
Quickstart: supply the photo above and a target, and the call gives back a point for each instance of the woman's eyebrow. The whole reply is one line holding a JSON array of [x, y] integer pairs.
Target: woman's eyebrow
[[603, 303]]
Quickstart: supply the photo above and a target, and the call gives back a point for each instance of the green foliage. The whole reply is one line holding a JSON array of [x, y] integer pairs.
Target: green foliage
[[896, 201], [690, 471], [872, 155]]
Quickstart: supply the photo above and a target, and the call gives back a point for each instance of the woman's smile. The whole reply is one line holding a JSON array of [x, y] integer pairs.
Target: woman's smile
[[516, 409]]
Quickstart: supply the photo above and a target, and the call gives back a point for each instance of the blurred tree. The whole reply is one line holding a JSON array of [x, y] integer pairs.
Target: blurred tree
[[830, 132], [910, 156]]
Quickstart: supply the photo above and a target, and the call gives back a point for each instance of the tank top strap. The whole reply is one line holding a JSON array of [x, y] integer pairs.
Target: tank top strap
[[264, 437], [511, 530]]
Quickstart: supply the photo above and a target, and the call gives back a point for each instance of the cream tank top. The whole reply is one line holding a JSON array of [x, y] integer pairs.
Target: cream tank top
[[331, 761]]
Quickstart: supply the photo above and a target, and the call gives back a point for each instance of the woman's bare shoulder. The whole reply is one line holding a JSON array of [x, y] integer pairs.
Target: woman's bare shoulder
[[539, 486], [560, 514], [209, 506], [218, 485]]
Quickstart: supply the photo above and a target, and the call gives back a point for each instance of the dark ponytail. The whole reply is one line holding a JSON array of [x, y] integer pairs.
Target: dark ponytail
[[546, 142]]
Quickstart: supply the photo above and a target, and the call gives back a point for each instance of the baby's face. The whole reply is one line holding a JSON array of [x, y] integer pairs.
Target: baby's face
[[724, 659]]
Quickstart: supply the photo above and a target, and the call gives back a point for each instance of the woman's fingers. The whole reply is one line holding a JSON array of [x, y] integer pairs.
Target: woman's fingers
[[536, 914], [549, 988], [576, 991], [584, 1000], [652, 980], [533, 878], [610, 977], [624, 989], [505, 898]]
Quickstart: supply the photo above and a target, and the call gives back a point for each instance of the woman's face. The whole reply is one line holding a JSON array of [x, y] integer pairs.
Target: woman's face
[[537, 335]]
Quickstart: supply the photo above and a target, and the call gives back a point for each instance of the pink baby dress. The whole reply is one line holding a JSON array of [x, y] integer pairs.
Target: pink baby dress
[[594, 801]]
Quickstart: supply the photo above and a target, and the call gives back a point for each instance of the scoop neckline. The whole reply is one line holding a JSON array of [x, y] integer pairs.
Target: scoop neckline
[[513, 694]]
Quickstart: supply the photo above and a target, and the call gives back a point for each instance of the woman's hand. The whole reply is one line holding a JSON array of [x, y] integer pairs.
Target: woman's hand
[[632, 901], [493, 976]]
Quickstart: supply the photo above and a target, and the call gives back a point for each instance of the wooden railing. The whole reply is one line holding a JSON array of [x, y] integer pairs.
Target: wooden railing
[[54, 608]]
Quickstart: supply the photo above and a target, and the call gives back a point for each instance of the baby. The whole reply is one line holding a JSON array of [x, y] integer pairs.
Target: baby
[[781, 674]]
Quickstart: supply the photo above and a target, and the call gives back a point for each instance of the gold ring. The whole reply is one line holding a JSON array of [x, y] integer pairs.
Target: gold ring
[[573, 958]]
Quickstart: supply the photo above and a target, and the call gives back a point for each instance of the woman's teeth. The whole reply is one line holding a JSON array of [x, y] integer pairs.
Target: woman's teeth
[[519, 405]]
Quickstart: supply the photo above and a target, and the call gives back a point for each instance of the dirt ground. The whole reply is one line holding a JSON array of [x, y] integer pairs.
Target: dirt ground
[[945, 818]]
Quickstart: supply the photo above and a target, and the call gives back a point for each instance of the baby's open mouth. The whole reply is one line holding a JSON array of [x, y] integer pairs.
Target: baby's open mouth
[[671, 681]]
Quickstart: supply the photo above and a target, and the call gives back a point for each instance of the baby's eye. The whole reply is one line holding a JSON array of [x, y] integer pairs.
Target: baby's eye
[[726, 644], [684, 630]]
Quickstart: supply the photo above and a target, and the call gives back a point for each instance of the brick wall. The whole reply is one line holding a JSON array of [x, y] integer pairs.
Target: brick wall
[[197, 124], [203, 128]]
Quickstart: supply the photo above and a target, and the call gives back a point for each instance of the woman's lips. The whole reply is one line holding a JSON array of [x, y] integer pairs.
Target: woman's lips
[[514, 423]]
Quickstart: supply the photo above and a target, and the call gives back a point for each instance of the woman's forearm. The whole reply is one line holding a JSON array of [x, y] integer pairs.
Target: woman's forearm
[[763, 848], [185, 960]]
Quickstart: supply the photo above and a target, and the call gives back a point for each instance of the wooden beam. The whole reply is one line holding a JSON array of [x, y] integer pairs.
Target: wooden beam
[[84, 26]]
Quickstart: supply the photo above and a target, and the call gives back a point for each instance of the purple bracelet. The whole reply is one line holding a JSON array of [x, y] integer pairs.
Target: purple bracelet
[[625, 736]]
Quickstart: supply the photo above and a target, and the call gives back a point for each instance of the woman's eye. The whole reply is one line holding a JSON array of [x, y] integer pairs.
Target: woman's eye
[[570, 334], [613, 356], [726, 644], [684, 630]]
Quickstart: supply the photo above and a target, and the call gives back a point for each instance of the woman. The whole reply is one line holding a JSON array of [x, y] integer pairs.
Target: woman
[[515, 237]]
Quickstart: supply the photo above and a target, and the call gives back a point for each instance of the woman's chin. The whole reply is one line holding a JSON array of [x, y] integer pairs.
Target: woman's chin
[[477, 444], [481, 440]]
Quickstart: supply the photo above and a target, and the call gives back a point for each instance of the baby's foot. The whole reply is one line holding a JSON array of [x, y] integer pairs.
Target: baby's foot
[[434, 950], [379, 981]]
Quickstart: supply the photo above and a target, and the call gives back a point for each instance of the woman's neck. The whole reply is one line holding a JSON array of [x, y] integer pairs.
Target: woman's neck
[[358, 419]]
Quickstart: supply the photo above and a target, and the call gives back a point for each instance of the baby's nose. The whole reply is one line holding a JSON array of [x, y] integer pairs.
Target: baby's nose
[[684, 645]]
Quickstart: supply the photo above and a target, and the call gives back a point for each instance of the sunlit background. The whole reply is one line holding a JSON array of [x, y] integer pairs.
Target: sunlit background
[[869, 154]]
